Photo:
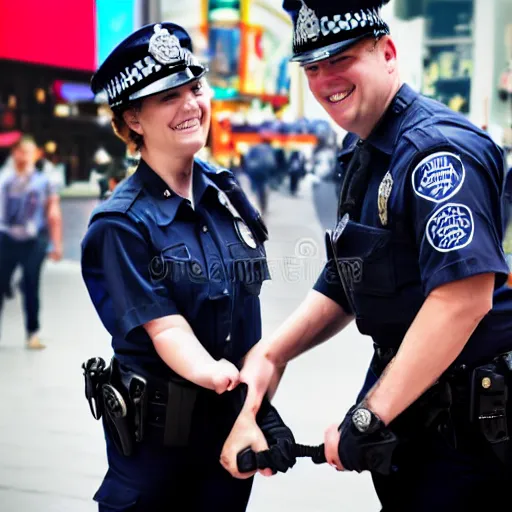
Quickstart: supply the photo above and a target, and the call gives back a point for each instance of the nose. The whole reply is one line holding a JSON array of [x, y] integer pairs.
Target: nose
[[190, 101]]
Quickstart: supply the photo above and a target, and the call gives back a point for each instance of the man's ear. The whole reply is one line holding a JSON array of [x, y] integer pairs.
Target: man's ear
[[131, 118], [389, 52]]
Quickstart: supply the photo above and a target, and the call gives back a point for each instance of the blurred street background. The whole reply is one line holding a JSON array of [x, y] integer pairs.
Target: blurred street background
[[51, 450]]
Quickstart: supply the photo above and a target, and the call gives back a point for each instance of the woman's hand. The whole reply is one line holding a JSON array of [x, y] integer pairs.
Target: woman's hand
[[225, 376]]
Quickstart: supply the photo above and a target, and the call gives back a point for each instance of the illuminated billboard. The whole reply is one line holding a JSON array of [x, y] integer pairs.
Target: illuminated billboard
[[54, 32], [114, 22]]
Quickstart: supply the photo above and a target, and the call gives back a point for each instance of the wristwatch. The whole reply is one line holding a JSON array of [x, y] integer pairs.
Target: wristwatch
[[365, 420]]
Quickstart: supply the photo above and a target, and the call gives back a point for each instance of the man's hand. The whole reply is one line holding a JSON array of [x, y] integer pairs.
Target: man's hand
[[244, 434], [56, 253], [331, 443], [225, 376]]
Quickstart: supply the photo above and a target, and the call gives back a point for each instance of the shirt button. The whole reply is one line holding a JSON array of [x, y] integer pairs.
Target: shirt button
[[225, 291], [228, 337], [205, 229], [196, 269]]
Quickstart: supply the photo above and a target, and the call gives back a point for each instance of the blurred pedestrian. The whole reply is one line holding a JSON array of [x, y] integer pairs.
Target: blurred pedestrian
[[260, 165], [296, 169], [115, 174], [30, 220]]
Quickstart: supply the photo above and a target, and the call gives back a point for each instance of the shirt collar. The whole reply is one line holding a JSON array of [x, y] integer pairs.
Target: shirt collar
[[167, 200], [384, 135], [202, 182]]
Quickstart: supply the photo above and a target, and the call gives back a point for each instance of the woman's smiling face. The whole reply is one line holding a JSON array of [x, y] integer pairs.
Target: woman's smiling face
[[176, 120]]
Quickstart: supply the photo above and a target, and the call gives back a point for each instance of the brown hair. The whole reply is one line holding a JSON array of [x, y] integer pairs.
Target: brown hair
[[132, 139], [24, 138]]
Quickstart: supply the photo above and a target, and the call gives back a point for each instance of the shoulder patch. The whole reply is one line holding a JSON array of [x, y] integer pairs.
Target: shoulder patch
[[451, 227], [438, 177]]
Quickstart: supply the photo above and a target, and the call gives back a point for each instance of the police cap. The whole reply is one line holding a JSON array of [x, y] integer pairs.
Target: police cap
[[153, 59], [322, 28]]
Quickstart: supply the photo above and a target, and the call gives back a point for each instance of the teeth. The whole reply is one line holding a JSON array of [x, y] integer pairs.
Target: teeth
[[339, 96], [187, 124]]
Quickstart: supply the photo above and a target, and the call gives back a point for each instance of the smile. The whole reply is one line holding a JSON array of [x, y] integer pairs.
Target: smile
[[340, 96], [188, 124]]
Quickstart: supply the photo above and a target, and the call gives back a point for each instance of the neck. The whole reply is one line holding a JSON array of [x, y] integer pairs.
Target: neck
[[22, 170], [175, 171], [387, 102]]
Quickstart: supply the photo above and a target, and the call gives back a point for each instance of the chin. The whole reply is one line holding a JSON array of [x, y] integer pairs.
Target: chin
[[192, 146]]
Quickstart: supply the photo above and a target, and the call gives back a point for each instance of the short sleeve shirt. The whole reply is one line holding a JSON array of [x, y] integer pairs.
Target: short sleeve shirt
[[148, 254]]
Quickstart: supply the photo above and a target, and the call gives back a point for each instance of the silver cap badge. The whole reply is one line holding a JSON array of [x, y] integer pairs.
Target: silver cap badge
[[165, 47], [308, 26], [385, 187]]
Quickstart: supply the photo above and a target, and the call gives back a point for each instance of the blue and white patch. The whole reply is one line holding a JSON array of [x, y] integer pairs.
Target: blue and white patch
[[438, 177], [450, 228]]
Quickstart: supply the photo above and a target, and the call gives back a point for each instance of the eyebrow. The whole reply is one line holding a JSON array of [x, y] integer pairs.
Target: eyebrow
[[171, 94]]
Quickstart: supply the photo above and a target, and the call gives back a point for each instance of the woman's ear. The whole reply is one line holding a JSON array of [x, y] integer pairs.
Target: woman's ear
[[131, 118]]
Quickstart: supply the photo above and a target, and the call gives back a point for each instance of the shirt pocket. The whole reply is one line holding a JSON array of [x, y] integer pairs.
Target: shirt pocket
[[365, 256], [249, 267], [176, 267]]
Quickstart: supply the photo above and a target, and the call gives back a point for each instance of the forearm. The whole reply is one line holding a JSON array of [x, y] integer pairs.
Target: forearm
[[316, 320], [55, 224], [435, 339], [182, 352]]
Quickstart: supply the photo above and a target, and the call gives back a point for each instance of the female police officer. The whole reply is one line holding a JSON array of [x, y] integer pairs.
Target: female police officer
[[416, 258], [174, 263]]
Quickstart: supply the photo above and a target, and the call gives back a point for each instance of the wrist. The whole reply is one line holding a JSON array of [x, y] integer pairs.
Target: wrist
[[204, 374], [380, 408]]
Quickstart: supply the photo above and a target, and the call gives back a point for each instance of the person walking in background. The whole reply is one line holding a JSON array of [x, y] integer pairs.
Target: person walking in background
[[260, 164], [30, 220]]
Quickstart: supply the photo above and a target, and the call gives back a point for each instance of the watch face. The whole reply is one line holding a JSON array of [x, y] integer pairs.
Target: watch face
[[362, 419]]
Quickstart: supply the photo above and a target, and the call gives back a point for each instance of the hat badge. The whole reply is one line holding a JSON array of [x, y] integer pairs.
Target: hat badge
[[165, 47], [308, 25]]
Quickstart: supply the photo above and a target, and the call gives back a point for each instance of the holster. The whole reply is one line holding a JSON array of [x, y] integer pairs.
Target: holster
[[165, 406], [117, 419], [131, 403], [489, 406]]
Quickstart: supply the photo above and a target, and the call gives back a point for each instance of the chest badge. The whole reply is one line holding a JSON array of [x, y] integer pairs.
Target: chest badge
[[385, 187], [244, 233]]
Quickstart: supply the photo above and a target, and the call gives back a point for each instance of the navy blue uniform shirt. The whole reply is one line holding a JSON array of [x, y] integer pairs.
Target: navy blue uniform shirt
[[149, 253], [431, 214]]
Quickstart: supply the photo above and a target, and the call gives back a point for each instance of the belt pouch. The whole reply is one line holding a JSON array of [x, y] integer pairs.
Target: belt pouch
[[181, 399]]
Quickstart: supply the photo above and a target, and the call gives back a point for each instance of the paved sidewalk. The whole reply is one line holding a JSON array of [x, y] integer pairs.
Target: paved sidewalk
[[52, 451]]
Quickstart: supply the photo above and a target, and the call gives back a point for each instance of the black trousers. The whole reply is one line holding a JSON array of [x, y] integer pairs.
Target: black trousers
[[30, 255], [431, 475], [163, 479]]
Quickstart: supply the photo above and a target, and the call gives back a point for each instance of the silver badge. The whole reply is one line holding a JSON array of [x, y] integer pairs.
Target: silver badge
[[165, 47], [307, 27], [385, 187], [244, 233], [362, 419]]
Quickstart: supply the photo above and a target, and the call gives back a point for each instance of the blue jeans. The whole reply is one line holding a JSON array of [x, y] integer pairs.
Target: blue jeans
[[30, 255]]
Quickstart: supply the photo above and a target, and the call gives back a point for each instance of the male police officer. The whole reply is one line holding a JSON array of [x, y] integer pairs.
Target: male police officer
[[415, 258]]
